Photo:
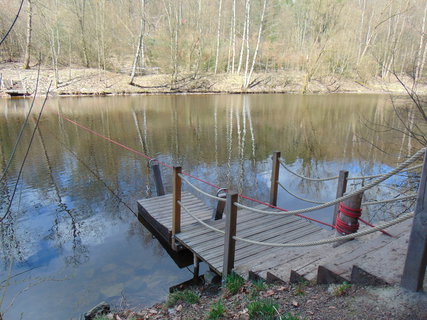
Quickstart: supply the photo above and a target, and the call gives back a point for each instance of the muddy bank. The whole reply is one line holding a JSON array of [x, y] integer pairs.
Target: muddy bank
[[258, 300], [79, 81]]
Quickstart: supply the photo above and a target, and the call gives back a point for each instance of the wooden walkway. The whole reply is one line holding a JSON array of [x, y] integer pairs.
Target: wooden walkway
[[369, 260], [208, 245], [374, 260]]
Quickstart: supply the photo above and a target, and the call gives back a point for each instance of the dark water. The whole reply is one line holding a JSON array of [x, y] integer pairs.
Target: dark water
[[72, 239]]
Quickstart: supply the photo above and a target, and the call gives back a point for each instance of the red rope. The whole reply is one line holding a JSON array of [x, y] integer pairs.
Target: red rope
[[342, 226], [190, 175]]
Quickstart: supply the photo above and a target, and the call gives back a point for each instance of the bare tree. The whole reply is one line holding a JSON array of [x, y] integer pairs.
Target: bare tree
[[140, 46], [218, 34], [27, 57], [261, 26]]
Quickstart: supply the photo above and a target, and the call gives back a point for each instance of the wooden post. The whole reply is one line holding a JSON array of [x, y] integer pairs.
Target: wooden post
[[416, 257], [176, 208], [341, 189], [196, 268], [355, 202], [157, 178], [230, 232], [274, 177], [219, 211]]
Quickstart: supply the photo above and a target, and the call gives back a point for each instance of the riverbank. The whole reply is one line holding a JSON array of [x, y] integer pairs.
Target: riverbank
[[258, 300], [80, 81]]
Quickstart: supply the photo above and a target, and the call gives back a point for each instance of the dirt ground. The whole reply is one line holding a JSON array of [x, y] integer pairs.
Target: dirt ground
[[80, 81], [294, 302]]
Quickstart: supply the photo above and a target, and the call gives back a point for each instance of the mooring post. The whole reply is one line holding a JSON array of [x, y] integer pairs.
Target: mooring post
[[416, 257], [341, 189], [157, 177], [176, 208], [274, 177], [347, 221], [219, 211], [230, 233]]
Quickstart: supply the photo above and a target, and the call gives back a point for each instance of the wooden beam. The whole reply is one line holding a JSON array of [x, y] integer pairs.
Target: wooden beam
[[341, 189], [196, 264], [230, 232], [416, 257], [158, 178], [219, 211], [274, 177], [176, 208]]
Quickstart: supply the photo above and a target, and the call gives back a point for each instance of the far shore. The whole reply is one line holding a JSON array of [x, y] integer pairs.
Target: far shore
[[94, 82]]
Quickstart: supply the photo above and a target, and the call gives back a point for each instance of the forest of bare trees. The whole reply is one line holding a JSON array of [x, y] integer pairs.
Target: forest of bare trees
[[357, 39]]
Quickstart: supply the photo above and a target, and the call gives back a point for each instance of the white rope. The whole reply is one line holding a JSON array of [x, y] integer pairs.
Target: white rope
[[347, 196], [412, 196], [307, 178], [199, 220], [363, 203], [326, 241], [297, 196], [381, 174], [200, 190], [336, 177]]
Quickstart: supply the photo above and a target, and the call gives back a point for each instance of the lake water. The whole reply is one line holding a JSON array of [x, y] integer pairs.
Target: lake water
[[72, 239]]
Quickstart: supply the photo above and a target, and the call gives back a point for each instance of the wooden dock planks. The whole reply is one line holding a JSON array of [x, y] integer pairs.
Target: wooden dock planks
[[375, 259], [208, 245], [157, 213]]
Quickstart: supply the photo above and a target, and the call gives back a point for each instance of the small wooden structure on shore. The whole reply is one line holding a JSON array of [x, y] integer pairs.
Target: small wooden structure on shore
[[254, 244], [12, 88]]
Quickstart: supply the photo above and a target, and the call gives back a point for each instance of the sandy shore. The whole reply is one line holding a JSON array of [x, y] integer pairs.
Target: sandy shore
[[79, 81]]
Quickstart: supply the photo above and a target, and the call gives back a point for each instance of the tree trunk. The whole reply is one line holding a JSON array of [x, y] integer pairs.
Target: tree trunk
[[27, 57], [261, 26], [233, 59], [218, 33], [239, 68], [248, 18], [420, 54], [140, 47]]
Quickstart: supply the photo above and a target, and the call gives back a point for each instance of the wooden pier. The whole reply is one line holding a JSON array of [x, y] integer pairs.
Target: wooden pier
[[208, 245], [251, 241]]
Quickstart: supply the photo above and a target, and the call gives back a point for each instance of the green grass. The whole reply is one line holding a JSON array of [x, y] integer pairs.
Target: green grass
[[217, 310], [262, 309], [259, 285], [186, 296], [341, 289], [101, 318], [234, 282]]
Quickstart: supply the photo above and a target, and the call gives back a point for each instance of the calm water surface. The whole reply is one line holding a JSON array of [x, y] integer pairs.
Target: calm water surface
[[72, 239]]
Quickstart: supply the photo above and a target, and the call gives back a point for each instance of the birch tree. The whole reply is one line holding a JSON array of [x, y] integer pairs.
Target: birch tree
[[139, 55], [218, 35], [27, 57], [261, 26]]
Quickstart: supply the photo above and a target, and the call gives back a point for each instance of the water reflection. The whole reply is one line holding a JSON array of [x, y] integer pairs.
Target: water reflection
[[73, 216]]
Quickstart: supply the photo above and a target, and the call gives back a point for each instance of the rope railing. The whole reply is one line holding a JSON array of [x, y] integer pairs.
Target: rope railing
[[299, 197], [381, 174], [336, 177], [412, 196], [331, 240], [370, 203], [200, 190], [377, 181], [304, 177], [199, 220]]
